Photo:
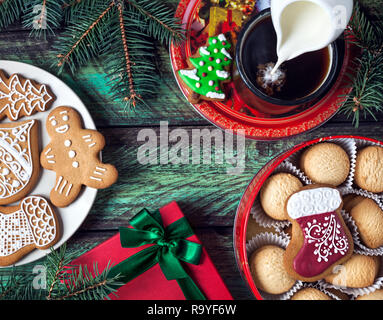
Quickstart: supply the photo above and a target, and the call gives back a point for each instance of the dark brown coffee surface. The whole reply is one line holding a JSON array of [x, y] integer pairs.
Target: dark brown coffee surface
[[304, 74]]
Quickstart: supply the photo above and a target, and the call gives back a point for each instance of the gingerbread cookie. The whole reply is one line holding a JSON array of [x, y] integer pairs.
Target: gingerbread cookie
[[320, 238], [21, 97], [74, 154], [208, 70], [32, 224], [19, 160]]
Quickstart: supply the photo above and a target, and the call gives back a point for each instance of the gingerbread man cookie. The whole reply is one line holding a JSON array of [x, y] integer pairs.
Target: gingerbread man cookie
[[32, 224], [320, 238], [22, 97], [19, 160], [74, 154]]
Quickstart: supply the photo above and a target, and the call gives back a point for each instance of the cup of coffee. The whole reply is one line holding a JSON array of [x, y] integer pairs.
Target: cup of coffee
[[299, 81]]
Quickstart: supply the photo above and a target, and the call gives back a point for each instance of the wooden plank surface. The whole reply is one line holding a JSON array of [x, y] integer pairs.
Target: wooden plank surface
[[207, 194]]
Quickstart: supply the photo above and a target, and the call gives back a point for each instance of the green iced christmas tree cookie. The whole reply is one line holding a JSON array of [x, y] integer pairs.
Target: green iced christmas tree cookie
[[210, 70]]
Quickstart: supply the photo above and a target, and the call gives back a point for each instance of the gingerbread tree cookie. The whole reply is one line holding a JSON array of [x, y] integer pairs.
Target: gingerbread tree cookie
[[209, 70], [32, 224], [19, 160], [22, 97], [74, 154]]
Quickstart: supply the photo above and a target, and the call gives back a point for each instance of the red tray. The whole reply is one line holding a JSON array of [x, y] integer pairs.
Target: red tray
[[248, 198], [229, 115]]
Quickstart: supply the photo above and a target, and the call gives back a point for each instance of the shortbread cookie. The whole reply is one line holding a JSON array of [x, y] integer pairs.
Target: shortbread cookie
[[74, 154], [376, 295], [208, 70], [275, 192], [326, 163], [369, 169], [350, 201], [320, 238], [266, 265], [32, 224], [310, 294], [21, 97], [358, 272], [19, 160], [368, 218]]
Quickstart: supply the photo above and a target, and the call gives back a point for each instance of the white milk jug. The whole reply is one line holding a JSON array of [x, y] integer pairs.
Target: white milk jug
[[307, 25]]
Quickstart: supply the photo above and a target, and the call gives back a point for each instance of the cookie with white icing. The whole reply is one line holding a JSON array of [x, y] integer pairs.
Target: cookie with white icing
[[74, 154], [208, 70], [19, 160], [30, 225], [21, 97], [320, 238]]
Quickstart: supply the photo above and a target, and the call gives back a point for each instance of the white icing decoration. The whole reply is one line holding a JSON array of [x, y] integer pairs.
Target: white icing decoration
[[75, 164], [97, 179], [93, 144], [87, 136], [215, 50], [26, 100], [54, 123], [210, 68], [227, 54], [65, 118], [15, 158], [215, 95], [192, 74], [203, 51], [211, 83], [218, 61], [201, 63], [62, 129], [32, 224], [222, 74], [72, 154], [221, 37], [326, 238], [67, 143], [313, 201], [214, 41]]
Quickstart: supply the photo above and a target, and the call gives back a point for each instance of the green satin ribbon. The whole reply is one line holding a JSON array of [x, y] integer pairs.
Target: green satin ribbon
[[168, 250]]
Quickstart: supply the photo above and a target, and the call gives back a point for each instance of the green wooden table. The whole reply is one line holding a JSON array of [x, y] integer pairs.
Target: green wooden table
[[206, 193]]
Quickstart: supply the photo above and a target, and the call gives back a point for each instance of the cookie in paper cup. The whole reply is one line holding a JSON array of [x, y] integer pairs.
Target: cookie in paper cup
[[265, 256], [268, 208]]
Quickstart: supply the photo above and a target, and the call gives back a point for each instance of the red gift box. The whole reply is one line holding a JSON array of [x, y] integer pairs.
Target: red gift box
[[152, 284]]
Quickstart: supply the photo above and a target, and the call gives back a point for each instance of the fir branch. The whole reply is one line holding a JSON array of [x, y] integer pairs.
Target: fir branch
[[130, 61], [42, 17], [366, 96], [363, 32], [88, 31], [157, 20], [10, 11]]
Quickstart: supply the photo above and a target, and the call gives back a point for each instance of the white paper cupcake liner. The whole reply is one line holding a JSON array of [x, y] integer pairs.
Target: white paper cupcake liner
[[264, 239], [359, 247], [348, 145], [355, 292], [315, 285], [257, 211]]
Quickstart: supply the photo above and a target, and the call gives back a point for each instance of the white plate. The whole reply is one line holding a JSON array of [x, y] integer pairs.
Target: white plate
[[72, 216]]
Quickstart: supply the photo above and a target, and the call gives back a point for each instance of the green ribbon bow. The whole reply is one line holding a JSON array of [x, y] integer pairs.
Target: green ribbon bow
[[168, 250]]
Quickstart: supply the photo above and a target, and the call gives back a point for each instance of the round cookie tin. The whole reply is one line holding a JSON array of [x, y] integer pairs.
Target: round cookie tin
[[244, 211]]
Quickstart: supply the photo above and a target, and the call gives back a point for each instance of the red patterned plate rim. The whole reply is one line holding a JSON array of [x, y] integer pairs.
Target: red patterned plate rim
[[248, 198], [257, 128]]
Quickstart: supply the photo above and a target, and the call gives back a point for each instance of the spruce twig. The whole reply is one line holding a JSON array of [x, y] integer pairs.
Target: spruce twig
[[366, 96]]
